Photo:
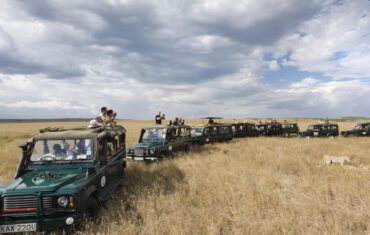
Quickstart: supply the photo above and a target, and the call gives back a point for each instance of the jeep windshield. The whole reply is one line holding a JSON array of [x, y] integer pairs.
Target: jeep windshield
[[312, 128], [62, 150], [196, 131], [154, 134]]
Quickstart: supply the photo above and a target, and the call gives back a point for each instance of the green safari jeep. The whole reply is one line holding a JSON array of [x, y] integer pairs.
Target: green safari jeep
[[361, 129], [156, 143], [63, 177]]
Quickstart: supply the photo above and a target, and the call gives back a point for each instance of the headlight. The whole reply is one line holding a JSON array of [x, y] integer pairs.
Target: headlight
[[63, 201]]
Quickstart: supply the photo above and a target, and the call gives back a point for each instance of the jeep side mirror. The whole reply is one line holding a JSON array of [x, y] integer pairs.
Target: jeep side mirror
[[24, 147], [22, 162]]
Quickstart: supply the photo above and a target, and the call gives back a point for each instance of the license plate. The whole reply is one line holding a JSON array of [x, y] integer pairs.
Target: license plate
[[139, 158], [16, 228]]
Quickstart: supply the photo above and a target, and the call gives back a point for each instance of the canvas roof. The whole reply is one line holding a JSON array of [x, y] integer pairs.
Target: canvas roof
[[78, 133]]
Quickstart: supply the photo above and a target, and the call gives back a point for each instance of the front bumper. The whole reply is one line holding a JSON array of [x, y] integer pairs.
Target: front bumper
[[142, 158], [45, 222]]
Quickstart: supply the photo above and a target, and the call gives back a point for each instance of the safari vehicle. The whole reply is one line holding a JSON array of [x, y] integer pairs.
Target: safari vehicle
[[239, 129], [199, 136], [269, 129], [62, 179], [289, 129], [243, 129], [223, 132], [211, 133], [250, 129], [321, 130], [361, 129], [156, 143]]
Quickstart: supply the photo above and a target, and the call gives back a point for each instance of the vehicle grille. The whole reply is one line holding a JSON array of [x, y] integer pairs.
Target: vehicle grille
[[47, 203], [20, 204], [139, 152]]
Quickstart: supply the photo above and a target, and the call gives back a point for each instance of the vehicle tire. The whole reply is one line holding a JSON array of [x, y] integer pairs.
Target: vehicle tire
[[196, 146], [186, 148], [162, 156], [92, 210]]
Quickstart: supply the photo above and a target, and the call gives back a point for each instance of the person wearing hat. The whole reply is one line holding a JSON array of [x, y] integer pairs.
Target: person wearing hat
[[96, 122]]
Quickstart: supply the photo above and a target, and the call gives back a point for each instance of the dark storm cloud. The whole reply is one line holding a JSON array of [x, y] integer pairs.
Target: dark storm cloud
[[10, 65], [146, 29]]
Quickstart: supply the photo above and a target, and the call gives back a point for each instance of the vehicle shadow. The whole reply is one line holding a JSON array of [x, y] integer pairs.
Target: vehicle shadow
[[142, 180]]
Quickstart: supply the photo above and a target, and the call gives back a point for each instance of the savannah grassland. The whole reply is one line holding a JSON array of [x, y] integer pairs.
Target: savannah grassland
[[247, 186]]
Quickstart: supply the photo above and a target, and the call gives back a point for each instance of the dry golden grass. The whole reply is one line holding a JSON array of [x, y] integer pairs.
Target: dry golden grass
[[247, 186]]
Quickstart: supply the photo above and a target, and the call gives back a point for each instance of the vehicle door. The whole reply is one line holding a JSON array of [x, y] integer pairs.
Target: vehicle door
[[367, 130], [178, 140], [234, 129], [317, 131], [334, 130], [110, 162], [117, 155], [103, 179], [170, 139], [207, 134]]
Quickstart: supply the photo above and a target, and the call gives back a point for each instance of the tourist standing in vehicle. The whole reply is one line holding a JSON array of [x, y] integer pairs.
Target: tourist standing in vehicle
[[159, 118], [210, 121], [103, 114], [111, 116]]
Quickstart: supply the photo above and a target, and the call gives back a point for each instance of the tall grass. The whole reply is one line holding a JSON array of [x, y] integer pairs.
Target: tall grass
[[247, 186]]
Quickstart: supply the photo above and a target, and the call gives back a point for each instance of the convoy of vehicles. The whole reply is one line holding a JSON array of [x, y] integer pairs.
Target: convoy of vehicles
[[65, 175]]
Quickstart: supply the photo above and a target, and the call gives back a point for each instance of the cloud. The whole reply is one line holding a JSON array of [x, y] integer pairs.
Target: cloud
[[334, 42], [188, 58]]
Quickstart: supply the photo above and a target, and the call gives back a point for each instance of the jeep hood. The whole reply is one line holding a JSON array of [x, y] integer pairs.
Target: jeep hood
[[147, 145], [41, 180]]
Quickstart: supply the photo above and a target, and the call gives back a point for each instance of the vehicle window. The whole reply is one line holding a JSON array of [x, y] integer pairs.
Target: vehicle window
[[62, 150], [224, 130], [185, 132], [334, 127], [196, 131], [122, 141], [358, 127], [102, 151], [214, 131], [169, 134], [206, 131], [154, 134], [111, 147]]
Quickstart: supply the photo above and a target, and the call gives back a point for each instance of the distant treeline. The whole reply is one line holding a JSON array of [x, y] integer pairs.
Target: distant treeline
[[45, 120], [335, 119]]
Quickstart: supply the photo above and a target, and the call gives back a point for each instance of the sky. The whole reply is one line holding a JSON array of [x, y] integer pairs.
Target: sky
[[240, 58]]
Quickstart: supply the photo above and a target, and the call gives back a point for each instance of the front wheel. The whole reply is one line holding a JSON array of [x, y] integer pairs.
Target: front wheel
[[186, 148], [92, 211]]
